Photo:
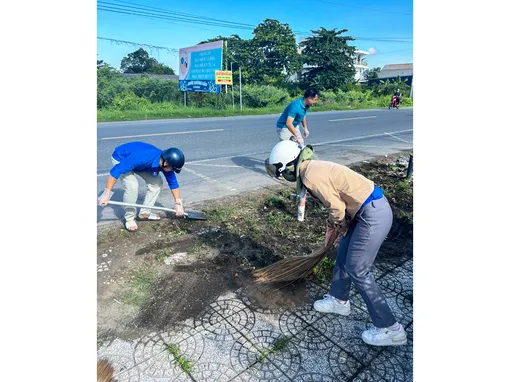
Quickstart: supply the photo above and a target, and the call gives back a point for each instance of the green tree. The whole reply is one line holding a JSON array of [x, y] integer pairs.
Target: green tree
[[159, 68], [372, 73], [274, 53], [330, 59], [102, 64], [139, 61], [241, 54], [268, 58]]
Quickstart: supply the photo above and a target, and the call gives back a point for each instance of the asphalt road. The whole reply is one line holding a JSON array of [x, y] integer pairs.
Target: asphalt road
[[225, 156]]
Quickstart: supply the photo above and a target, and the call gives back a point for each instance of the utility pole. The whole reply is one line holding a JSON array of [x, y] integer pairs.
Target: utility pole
[[233, 105], [240, 91], [226, 64]]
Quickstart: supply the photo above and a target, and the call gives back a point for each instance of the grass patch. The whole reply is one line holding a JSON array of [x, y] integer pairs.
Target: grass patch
[[278, 221], [324, 270], [168, 110], [139, 286], [164, 254], [198, 248], [275, 201], [280, 344], [221, 214], [107, 235], [175, 233], [184, 363]]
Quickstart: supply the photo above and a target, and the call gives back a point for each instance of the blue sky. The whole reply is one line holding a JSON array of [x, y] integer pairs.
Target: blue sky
[[370, 20]]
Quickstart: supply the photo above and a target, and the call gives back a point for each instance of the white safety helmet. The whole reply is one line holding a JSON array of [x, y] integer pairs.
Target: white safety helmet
[[281, 158]]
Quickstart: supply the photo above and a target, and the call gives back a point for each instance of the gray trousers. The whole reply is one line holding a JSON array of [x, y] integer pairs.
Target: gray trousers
[[130, 184], [355, 256], [284, 134]]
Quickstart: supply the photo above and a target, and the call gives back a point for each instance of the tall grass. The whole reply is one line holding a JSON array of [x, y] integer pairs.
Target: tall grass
[[168, 110]]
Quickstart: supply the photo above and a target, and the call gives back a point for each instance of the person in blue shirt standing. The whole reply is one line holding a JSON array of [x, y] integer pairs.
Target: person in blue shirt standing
[[147, 161], [287, 126]]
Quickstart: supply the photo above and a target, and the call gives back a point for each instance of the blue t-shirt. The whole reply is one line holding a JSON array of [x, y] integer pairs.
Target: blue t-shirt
[[140, 157], [376, 194], [296, 109]]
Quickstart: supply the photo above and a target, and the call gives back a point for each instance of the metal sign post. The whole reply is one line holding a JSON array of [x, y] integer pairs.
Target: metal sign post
[[240, 91]]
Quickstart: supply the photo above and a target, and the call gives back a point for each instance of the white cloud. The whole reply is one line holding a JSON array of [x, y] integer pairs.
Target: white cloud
[[373, 51]]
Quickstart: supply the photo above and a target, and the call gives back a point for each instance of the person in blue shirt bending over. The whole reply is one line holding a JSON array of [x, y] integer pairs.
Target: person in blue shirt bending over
[[147, 161], [287, 126]]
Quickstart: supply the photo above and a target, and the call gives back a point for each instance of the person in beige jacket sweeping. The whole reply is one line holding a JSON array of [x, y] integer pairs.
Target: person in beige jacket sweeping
[[361, 216]]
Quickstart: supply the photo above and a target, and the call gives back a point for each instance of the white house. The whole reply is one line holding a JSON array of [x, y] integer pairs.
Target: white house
[[360, 64]]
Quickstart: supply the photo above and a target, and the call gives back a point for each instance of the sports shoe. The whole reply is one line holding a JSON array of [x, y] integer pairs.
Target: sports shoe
[[385, 336], [331, 305]]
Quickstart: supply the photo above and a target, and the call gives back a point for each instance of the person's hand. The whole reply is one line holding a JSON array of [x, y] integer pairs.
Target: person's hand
[[300, 140], [338, 232], [341, 233], [330, 231], [179, 210], [305, 132], [104, 198]]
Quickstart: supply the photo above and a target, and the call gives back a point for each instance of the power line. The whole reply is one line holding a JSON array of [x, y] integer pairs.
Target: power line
[[137, 44], [368, 9], [175, 51], [151, 14], [140, 6], [144, 11]]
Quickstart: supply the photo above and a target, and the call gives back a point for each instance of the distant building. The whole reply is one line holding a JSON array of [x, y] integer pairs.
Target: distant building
[[394, 70], [360, 64]]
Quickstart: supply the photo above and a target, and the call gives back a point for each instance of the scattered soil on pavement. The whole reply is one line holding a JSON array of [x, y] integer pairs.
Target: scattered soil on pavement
[[173, 269]]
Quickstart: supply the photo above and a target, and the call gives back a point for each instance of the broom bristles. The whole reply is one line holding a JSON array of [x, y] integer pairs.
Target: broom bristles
[[104, 371], [288, 270]]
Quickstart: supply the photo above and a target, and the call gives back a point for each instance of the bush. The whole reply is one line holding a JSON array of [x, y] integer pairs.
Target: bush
[[326, 97], [264, 95], [155, 89], [110, 84], [129, 101], [388, 88]]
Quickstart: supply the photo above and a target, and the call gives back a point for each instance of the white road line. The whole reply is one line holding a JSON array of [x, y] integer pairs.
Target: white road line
[[362, 137], [215, 165], [208, 179], [315, 144], [397, 138], [349, 119], [153, 135]]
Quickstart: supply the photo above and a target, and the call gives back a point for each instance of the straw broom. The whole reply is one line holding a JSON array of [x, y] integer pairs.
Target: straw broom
[[104, 371], [289, 270]]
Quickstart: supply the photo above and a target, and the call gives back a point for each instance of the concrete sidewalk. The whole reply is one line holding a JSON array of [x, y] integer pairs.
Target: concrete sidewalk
[[233, 340]]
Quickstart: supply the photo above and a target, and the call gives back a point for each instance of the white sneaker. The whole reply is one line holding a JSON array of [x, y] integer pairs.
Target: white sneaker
[[331, 305], [385, 336]]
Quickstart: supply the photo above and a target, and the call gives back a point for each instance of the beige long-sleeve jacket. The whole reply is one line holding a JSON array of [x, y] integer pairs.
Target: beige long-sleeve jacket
[[339, 188]]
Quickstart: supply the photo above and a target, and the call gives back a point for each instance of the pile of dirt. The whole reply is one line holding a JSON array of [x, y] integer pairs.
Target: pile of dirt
[[171, 270]]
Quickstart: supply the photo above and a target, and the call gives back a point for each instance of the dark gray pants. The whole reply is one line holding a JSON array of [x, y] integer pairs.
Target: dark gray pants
[[356, 254]]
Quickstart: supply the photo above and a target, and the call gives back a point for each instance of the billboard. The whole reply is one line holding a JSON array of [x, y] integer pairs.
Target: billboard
[[223, 77], [198, 65]]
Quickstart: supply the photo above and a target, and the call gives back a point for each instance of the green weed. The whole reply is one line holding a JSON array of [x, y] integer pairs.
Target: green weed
[[139, 286], [185, 364]]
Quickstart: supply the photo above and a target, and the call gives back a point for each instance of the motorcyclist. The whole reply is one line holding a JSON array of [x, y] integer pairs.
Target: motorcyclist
[[399, 97]]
